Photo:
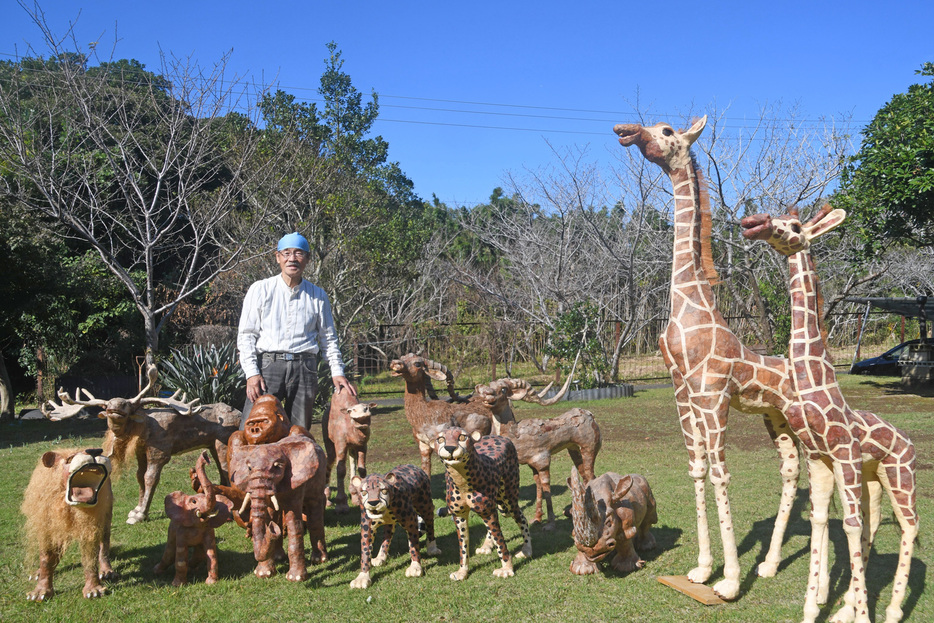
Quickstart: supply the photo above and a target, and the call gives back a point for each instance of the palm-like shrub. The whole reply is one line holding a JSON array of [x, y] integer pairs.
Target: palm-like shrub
[[210, 373]]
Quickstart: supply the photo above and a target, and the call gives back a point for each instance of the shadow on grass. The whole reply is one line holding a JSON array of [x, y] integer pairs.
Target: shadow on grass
[[24, 432], [891, 387], [761, 533], [880, 571]]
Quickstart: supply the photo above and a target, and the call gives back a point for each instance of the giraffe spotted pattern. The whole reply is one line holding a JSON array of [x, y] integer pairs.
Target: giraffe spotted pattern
[[856, 450], [711, 370]]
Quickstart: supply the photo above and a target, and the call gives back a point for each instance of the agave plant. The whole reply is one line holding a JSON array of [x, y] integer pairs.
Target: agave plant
[[210, 373]]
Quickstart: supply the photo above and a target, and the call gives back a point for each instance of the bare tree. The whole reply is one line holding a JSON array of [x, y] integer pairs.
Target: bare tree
[[164, 175]]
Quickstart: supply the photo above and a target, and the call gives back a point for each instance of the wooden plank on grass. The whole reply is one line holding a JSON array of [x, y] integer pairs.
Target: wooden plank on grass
[[700, 592]]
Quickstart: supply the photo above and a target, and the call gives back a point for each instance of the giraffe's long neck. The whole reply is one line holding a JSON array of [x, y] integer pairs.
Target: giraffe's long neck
[[689, 285], [813, 371]]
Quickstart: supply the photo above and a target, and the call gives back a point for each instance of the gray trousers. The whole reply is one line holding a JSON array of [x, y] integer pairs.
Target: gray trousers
[[294, 383]]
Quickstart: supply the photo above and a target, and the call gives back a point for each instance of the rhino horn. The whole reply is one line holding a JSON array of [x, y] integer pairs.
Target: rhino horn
[[586, 520]]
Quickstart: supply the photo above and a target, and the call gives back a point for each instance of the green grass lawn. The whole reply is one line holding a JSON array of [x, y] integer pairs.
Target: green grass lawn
[[639, 435]]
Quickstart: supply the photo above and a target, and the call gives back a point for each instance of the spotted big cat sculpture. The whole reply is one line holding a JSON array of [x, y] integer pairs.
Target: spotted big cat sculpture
[[400, 497], [482, 476]]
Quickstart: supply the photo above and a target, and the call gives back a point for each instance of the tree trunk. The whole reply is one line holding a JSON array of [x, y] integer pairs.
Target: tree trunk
[[7, 397]]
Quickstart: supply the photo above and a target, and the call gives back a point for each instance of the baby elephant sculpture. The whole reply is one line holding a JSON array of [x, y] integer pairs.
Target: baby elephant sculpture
[[193, 519], [612, 513], [283, 481], [68, 499]]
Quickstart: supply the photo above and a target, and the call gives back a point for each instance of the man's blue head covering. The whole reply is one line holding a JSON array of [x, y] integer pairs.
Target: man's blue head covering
[[294, 241]]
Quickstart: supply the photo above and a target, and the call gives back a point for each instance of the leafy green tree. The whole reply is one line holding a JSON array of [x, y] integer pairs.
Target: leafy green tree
[[888, 186], [59, 305], [575, 331], [359, 211]]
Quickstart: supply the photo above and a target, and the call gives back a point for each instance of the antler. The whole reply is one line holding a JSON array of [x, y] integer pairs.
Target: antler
[[183, 406], [67, 409], [70, 407], [539, 398]]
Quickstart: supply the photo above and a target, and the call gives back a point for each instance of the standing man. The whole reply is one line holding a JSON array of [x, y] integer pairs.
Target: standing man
[[285, 324]]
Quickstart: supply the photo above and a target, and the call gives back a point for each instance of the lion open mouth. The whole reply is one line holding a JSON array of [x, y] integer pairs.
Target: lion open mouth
[[84, 484]]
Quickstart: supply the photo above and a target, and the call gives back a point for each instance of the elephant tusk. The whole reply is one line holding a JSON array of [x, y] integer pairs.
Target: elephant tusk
[[275, 502], [246, 500]]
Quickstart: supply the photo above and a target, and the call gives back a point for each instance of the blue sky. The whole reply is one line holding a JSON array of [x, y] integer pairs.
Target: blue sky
[[469, 91]]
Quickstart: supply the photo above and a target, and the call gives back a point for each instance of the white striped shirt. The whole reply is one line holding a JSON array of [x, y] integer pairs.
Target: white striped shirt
[[277, 318]]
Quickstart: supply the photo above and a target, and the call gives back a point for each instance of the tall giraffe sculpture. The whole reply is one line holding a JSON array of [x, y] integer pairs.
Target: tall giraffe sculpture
[[710, 368], [841, 444]]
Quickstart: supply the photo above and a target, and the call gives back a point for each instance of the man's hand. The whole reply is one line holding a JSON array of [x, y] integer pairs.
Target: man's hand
[[341, 382], [255, 387]]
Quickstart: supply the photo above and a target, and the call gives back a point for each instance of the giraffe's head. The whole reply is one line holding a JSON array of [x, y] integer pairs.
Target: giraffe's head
[[787, 234], [661, 144]]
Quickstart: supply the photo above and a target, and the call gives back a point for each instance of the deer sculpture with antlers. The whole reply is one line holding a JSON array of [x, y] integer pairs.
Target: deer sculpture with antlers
[[155, 429]]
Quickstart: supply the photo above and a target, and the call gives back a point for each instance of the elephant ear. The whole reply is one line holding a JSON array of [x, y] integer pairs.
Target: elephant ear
[[303, 457], [175, 509]]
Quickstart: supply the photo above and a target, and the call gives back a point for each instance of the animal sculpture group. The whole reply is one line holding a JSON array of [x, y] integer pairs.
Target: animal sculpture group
[[274, 476]]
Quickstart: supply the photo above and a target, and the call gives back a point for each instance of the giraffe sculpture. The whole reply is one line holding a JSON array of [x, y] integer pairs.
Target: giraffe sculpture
[[710, 368], [841, 444]]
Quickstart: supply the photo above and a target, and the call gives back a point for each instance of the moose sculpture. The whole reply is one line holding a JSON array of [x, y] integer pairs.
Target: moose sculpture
[[154, 434]]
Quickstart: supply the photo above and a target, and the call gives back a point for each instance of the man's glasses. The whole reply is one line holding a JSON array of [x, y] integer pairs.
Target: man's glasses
[[298, 255]]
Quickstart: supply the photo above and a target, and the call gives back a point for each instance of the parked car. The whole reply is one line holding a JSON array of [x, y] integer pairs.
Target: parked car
[[885, 364]]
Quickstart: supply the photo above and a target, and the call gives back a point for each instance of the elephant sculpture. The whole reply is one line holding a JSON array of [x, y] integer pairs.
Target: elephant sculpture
[[283, 480], [193, 519]]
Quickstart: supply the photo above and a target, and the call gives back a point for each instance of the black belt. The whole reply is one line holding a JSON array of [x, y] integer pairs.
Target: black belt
[[288, 356]]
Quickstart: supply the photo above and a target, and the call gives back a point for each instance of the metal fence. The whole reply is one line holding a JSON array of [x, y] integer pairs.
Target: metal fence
[[495, 349]]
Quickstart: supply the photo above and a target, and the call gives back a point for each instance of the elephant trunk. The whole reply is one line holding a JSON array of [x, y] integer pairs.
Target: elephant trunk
[[263, 529], [209, 502], [265, 535]]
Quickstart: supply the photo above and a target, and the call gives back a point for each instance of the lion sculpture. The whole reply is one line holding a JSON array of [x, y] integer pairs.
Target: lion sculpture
[[69, 498]]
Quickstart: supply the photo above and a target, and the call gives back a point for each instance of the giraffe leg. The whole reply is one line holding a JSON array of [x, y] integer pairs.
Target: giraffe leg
[[785, 444], [901, 492], [848, 476], [697, 469], [872, 511], [821, 481], [713, 408]]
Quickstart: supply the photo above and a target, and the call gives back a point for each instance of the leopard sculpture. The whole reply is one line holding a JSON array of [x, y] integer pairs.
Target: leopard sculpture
[[482, 474], [401, 497]]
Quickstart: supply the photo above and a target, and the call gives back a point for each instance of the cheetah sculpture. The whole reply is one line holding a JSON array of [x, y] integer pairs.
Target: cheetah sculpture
[[399, 497], [482, 475]]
